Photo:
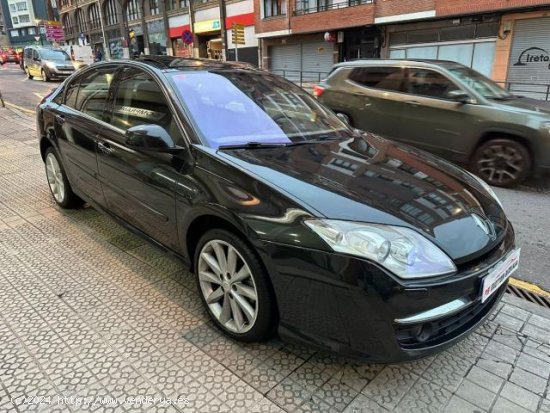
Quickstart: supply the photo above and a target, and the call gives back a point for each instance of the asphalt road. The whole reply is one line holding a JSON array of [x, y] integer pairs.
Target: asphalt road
[[528, 206]]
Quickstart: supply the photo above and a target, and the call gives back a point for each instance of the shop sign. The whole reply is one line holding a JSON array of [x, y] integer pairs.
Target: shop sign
[[206, 26], [533, 55]]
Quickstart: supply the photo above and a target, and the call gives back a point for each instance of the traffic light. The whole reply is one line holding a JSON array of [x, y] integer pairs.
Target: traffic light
[[237, 33]]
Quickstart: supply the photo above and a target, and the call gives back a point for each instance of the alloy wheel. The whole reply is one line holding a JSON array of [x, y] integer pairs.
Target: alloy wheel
[[501, 164], [228, 286], [55, 177]]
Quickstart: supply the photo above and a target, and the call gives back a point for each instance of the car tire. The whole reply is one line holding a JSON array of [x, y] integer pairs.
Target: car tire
[[58, 182], [45, 77], [502, 162], [228, 294], [28, 72]]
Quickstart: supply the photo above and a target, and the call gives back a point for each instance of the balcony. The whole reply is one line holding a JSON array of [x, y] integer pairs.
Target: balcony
[[320, 7]]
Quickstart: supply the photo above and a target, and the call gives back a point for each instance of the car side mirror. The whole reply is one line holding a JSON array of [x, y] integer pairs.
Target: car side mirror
[[343, 118], [152, 138], [460, 96]]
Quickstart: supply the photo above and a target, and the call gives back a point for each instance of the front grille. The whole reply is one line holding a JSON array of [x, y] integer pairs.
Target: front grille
[[416, 336]]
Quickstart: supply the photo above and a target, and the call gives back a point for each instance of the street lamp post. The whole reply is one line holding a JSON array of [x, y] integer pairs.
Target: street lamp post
[[105, 48]]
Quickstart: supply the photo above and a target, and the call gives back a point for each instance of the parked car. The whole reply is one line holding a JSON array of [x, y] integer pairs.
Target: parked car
[[445, 108], [48, 63], [8, 56], [290, 220]]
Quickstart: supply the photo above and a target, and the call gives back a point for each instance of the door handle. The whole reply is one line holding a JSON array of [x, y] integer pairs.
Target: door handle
[[412, 102], [105, 147], [60, 119]]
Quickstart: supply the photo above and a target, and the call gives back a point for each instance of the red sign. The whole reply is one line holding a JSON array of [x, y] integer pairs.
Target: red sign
[[54, 32], [187, 37]]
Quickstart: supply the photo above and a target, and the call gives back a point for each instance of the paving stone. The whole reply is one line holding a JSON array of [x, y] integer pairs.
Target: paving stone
[[515, 312], [336, 393], [485, 379], [509, 338], [534, 365], [503, 405], [458, 405], [363, 404], [529, 381], [509, 321], [447, 371], [538, 350], [501, 352], [389, 387], [475, 394], [536, 333], [541, 322], [497, 367], [520, 396], [424, 397]]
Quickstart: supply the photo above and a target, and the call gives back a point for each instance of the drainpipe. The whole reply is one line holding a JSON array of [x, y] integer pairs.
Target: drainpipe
[[125, 38], [169, 49], [145, 31], [222, 28]]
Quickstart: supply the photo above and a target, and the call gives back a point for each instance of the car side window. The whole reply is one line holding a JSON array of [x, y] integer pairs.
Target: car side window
[[34, 54], [139, 100], [71, 91], [427, 82], [93, 92], [386, 78]]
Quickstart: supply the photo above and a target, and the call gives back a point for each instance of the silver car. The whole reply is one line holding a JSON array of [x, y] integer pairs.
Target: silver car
[[47, 63]]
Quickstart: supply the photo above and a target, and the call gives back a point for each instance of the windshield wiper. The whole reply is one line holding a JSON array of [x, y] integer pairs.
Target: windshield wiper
[[253, 145], [504, 98]]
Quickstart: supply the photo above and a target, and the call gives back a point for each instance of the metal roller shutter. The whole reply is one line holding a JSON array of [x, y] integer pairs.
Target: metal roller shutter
[[285, 61], [530, 57], [317, 60]]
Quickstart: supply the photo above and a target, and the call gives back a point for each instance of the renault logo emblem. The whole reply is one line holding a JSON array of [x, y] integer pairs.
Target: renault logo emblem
[[485, 225]]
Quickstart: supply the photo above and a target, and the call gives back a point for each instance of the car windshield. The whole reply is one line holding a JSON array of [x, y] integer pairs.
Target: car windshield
[[480, 83], [237, 107], [54, 55]]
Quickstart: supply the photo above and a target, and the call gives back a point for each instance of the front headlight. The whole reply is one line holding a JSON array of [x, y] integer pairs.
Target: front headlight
[[487, 188], [402, 251]]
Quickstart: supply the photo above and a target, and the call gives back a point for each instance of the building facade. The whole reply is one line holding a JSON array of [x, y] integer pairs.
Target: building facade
[[23, 20], [304, 38], [129, 28]]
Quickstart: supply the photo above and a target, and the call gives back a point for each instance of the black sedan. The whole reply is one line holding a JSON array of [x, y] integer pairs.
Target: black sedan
[[292, 222]]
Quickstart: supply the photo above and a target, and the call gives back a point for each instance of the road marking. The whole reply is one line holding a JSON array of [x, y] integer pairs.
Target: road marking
[[21, 108], [24, 79], [529, 287], [38, 95]]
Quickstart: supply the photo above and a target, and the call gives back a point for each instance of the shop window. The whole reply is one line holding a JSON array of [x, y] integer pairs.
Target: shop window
[[386, 78], [426, 82], [457, 33], [274, 8]]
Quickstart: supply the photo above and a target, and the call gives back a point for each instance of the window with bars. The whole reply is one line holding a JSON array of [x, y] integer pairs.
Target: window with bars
[[80, 23], [154, 7], [133, 11], [111, 15], [93, 16]]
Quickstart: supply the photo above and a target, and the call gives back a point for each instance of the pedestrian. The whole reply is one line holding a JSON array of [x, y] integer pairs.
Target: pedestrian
[[98, 55]]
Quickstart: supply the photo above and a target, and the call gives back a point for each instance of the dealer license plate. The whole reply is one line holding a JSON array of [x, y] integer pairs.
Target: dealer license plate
[[500, 274]]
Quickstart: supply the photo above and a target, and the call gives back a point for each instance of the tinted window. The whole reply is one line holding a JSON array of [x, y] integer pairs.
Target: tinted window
[[139, 100], [71, 91], [387, 78], [93, 92], [426, 82], [236, 107]]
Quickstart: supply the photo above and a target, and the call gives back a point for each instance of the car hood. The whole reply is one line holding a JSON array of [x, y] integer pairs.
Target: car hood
[[371, 179], [540, 106]]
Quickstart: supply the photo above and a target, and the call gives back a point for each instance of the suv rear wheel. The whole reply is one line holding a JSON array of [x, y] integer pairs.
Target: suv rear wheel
[[502, 162]]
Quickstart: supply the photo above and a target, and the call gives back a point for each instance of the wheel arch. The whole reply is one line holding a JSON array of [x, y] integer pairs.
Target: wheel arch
[[208, 220], [503, 134]]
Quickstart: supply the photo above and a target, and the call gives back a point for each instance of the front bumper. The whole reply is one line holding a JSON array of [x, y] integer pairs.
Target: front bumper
[[57, 73], [356, 308]]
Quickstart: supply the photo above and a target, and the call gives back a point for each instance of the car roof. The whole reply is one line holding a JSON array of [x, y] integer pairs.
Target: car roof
[[182, 63], [398, 62]]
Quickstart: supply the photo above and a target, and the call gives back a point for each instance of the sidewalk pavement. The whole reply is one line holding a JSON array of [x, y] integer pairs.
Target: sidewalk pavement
[[93, 318]]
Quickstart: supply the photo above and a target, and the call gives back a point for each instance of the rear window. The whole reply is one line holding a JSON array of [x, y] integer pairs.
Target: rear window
[[386, 78]]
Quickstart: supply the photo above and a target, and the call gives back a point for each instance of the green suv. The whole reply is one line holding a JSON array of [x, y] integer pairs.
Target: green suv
[[445, 108]]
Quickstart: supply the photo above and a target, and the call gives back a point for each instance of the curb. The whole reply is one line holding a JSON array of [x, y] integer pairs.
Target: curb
[[20, 108], [529, 287]]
